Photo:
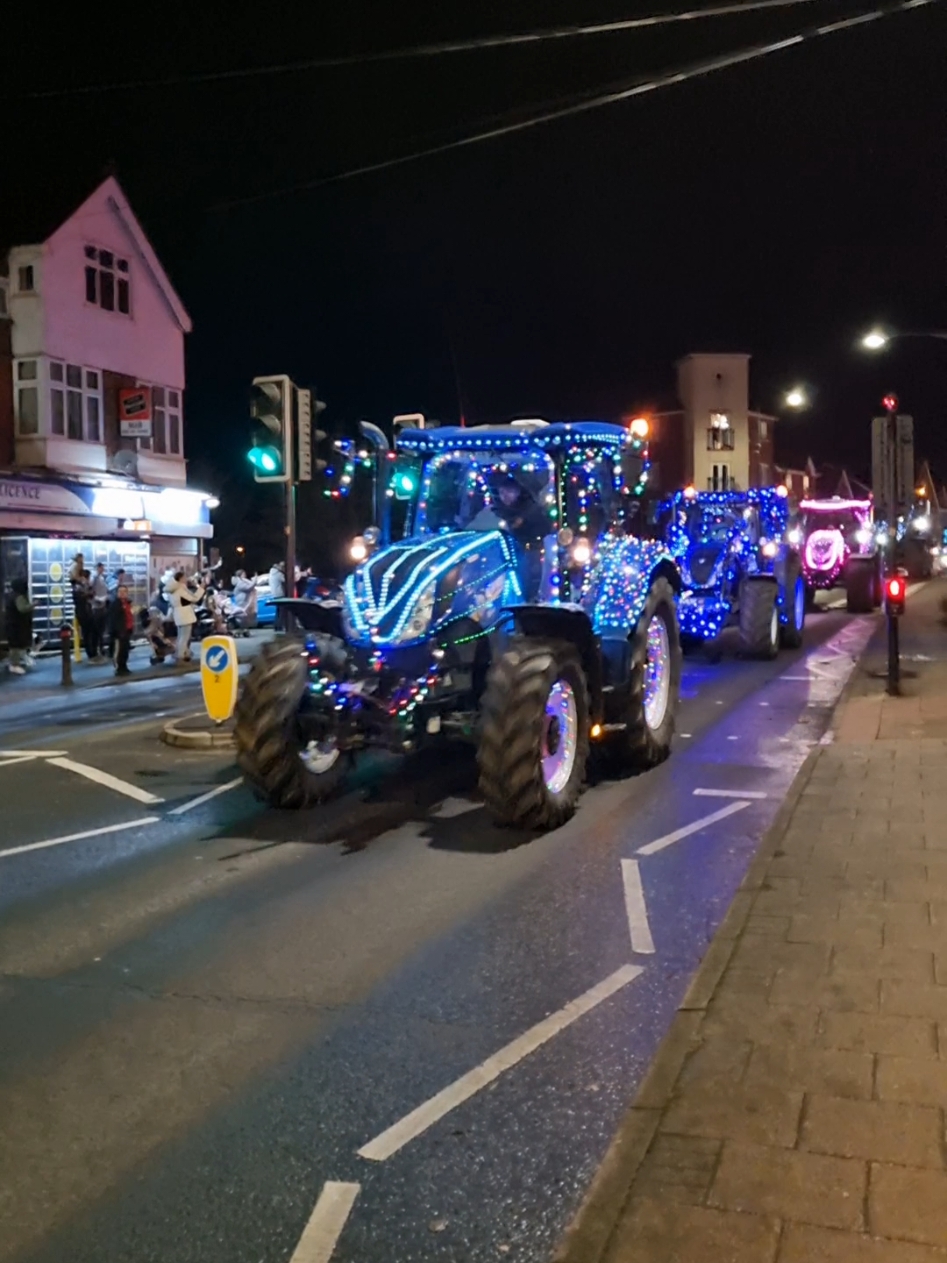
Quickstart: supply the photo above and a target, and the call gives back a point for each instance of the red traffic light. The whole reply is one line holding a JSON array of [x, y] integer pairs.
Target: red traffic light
[[890, 403], [895, 592]]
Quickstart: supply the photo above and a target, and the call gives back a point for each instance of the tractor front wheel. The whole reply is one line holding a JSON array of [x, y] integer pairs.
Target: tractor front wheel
[[534, 734], [282, 763]]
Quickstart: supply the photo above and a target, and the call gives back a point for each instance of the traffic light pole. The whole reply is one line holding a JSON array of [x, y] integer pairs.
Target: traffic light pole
[[290, 529], [894, 655]]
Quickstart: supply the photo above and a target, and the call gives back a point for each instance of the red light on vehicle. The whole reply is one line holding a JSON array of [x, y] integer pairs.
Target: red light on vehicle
[[895, 589], [891, 403]]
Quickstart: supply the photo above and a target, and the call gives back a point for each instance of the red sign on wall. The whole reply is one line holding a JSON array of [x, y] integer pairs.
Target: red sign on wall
[[134, 412]]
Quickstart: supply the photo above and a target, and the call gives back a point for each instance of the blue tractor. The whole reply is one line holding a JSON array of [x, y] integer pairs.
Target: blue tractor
[[521, 610], [737, 568]]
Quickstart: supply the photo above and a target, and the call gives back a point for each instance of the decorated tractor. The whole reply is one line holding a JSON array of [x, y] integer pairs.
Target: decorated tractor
[[839, 548], [520, 611], [737, 568]]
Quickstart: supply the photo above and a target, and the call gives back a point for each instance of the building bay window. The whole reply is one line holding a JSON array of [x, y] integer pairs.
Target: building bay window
[[75, 402]]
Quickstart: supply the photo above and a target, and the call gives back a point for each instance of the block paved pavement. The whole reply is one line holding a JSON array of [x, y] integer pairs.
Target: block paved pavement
[[795, 1112]]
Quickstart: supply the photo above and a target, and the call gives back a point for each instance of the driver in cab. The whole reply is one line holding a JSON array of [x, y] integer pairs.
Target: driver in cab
[[520, 514]]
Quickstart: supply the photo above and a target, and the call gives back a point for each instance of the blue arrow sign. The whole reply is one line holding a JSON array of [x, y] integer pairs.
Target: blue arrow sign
[[217, 660]]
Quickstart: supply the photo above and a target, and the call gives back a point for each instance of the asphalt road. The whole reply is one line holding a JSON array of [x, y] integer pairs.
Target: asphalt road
[[383, 1028]]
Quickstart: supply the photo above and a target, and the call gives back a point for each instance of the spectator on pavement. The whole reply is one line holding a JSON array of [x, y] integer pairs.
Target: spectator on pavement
[[82, 602], [153, 626], [19, 614], [244, 599], [100, 600], [277, 581], [183, 599], [121, 626]]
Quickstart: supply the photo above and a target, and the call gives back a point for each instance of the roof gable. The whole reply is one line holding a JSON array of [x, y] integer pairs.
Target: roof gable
[[110, 197]]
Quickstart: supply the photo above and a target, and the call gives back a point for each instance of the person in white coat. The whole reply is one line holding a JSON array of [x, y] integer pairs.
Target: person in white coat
[[183, 600]]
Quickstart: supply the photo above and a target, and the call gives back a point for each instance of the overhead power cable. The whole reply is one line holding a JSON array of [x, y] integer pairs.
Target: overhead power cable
[[634, 88], [474, 44]]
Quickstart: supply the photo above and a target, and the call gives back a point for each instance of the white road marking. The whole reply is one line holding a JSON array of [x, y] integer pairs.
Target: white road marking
[[23, 758], [636, 909], [80, 837], [106, 779], [205, 798], [704, 822], [426, 1115], [451, 807], [684, 734], [326, 1222], [798, 678], [31, 754], [729, 793]]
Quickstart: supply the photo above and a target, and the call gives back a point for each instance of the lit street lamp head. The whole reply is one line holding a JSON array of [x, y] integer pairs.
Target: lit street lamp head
[[875, 341], [797, 398]]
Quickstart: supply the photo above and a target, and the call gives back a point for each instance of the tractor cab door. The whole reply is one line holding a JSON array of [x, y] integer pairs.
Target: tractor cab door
[[592, 508]]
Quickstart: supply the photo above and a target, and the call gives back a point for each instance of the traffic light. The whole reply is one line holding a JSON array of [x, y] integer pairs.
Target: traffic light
[[271, 405], [319, 436], [895, 592]]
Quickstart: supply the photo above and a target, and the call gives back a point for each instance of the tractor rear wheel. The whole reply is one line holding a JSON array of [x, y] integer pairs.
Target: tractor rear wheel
[[860, 581], [759, 618], [794, 604], [649, 708]]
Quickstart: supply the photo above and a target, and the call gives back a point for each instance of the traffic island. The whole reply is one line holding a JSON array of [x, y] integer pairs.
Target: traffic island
[[199, 732]]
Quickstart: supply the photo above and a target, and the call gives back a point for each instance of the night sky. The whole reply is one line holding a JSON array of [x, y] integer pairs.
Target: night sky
[[777, 208]]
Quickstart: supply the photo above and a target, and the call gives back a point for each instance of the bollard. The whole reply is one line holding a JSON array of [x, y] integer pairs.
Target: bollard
[[65, 651]]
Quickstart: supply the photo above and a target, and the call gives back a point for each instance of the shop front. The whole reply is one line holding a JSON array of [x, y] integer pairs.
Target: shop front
[[46, 521]]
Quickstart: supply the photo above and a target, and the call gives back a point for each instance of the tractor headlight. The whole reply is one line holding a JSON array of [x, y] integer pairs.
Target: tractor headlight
[[419, 620], [863, 535], [769, 548]]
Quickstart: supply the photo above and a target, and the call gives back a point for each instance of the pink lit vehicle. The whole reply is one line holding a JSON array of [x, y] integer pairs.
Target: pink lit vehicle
[[839, 548]]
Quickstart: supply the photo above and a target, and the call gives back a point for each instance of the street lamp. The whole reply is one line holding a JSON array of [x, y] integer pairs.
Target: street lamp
[[796, 398], [878, 340], [875, 340]]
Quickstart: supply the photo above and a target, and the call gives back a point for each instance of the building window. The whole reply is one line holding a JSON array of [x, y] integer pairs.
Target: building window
[[720, 433], [25, 282], [764, 474], [159, 437], [75, 402], [764, 431], [166, 428], [107, 281], [719, 479]]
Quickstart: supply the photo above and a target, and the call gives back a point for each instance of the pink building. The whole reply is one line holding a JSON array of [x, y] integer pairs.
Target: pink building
[[92, 406]]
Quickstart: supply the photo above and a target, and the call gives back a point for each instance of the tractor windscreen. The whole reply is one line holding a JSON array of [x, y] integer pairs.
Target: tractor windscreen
[[708, 523], [485, 491], [848, 522]]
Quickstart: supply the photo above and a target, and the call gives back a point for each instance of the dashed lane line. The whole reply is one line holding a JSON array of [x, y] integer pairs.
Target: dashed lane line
[[695, 826], [729, 793], [106, 779], [205, 798], [79, 837], [636, 909], [328, 1219], [419, 1120]]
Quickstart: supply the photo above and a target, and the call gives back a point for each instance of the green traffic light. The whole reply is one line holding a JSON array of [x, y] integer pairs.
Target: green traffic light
[[405, 484], [265, 459]]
